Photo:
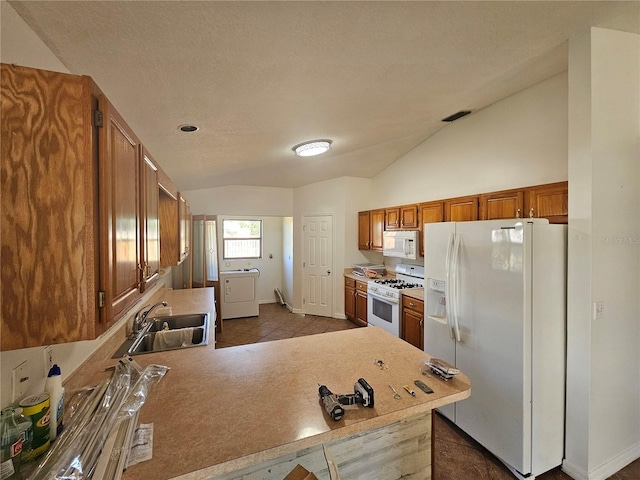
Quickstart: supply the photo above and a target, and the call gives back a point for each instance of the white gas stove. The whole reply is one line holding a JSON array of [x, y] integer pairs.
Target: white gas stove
[[383, 297]]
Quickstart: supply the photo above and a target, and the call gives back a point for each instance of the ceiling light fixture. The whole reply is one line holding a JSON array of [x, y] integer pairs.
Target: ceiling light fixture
[[187, 128], [313, 148]]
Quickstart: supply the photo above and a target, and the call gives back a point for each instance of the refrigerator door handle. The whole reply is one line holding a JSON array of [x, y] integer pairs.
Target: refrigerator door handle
[[447, 287], [455, 267]]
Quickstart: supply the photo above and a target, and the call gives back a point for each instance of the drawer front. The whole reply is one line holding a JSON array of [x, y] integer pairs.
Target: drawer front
[[362, 286], [413, 304], [350, 282]]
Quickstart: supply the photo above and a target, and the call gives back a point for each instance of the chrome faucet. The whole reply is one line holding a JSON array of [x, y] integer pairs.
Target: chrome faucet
[[140, 319]]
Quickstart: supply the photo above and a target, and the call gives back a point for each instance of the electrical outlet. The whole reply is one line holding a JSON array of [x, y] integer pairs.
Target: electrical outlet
[[20, 382], [598, 310], [48, 359]]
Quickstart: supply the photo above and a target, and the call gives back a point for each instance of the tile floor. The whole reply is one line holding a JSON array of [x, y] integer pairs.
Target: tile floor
[[456, 455]]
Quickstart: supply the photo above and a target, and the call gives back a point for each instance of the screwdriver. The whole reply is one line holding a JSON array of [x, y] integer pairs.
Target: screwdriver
[[409, 391]]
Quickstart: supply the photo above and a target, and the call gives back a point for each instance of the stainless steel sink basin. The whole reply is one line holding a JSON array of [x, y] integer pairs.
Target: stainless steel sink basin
[[144, 342], [178, 321]]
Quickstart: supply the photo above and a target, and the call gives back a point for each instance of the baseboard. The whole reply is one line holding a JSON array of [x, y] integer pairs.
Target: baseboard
[[605, 470]]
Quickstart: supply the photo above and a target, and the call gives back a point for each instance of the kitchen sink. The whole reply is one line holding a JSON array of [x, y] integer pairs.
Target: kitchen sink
[[178, 321], [177, 338]]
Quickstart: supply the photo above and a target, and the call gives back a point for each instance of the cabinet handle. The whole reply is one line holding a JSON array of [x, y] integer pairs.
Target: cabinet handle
[[518, 213], [411, 304], [421, 322], [531, 213]]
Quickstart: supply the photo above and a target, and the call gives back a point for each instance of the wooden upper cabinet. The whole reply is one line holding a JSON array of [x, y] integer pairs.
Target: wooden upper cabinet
[[364, 230], [429, 212], [402, 218], [409, 219], [150, 233], [501, 205], [370, 230], [120, 213], [377, 230], [461, 209], [49, 209], [184, 216], [549, 201], [392, 218]]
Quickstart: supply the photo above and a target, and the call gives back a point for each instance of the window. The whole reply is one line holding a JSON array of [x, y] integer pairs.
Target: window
[[242, 239]]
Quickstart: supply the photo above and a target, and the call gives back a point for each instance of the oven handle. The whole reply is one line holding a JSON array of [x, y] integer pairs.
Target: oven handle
[[388, 300]]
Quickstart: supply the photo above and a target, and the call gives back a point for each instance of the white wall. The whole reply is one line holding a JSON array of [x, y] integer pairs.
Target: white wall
[[241, 200], [603, 358], [518, 141], [287, 260]]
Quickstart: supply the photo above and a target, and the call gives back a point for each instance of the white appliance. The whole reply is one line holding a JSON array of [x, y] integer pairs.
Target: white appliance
[[495, 307], [383, 297], [400, 244], [239, 296]]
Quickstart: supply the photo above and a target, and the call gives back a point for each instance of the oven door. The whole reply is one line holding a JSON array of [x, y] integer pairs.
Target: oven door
[[383, 312]]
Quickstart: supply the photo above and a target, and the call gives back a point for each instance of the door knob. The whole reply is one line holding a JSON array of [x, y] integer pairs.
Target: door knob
[[328, 272]]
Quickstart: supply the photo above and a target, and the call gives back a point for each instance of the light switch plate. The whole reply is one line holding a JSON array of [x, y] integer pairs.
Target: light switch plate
[[598, 310], [20, 382]]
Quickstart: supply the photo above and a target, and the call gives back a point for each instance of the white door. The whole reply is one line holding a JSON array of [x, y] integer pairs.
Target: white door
[[317, 266]]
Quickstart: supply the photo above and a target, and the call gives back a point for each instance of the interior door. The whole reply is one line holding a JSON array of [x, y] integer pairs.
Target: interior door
[[317, 267]]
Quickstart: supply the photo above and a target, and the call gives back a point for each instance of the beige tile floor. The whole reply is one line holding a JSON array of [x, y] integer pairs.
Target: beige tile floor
[[456, 455]]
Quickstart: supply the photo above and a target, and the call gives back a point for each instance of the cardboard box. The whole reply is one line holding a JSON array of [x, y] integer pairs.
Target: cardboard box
[[300, 473]]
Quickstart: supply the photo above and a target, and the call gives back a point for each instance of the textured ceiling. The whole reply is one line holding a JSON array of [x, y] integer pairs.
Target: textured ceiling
[[260, 77]]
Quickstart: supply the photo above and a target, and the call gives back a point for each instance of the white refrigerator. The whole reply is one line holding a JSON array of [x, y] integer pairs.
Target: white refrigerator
[[495, 307]]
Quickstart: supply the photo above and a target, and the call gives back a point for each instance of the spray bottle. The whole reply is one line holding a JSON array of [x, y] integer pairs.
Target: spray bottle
[[53, 386]]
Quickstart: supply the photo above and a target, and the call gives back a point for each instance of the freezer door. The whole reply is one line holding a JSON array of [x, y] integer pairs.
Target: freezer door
[[438, 341], [495, 348]]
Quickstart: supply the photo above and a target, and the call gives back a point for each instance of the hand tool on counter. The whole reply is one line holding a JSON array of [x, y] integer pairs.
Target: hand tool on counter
[[409, 391], [363, 394], [396, 395]]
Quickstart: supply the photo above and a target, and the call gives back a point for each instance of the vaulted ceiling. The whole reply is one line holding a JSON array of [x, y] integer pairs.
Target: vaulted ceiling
[[260, 77]]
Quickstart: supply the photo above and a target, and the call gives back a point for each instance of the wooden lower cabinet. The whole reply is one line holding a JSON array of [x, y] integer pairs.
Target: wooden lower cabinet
[[413, 321], [355, 301]]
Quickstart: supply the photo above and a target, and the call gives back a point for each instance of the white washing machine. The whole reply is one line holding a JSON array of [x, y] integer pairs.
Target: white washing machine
[[239, 296]]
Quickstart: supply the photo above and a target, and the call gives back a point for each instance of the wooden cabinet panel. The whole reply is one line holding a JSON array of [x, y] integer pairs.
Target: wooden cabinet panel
[[48, 212], [150, 234], [500, 205], [184, 214], [377, 230], [413, 321], [350, 298], [364, 230], [409, 219], [549, 201], [461, 209], [355, 301], [370, 230], [361, 307], [169, 229], [429, 213], [120, 212], [392, 218]]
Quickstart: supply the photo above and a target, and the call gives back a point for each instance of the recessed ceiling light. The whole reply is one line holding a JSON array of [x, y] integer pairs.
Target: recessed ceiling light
[[188, 128], [313, 148]]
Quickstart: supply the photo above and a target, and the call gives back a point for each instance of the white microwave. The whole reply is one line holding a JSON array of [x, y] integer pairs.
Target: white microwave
[[401, 244]]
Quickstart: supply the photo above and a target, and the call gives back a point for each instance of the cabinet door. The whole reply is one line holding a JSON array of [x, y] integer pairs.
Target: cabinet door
[[119, 212], [409, 217], [377, 230], [350, 300], [150, 234], [48, 208], [364, 230], [361, 308], [429, 213], [549, 201], [184, 215], [462, 209], [413, 328], [392, 218], [499, 205]]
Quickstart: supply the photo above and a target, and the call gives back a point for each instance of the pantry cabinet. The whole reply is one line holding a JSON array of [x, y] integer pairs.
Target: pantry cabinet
[[413, 321], [370, 230]]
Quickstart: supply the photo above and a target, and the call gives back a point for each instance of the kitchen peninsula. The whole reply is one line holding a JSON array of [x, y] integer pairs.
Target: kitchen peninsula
[[225, 413]]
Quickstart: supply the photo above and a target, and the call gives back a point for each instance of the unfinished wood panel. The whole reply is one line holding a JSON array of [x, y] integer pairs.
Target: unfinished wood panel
[[401, 450], [48, 208]]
